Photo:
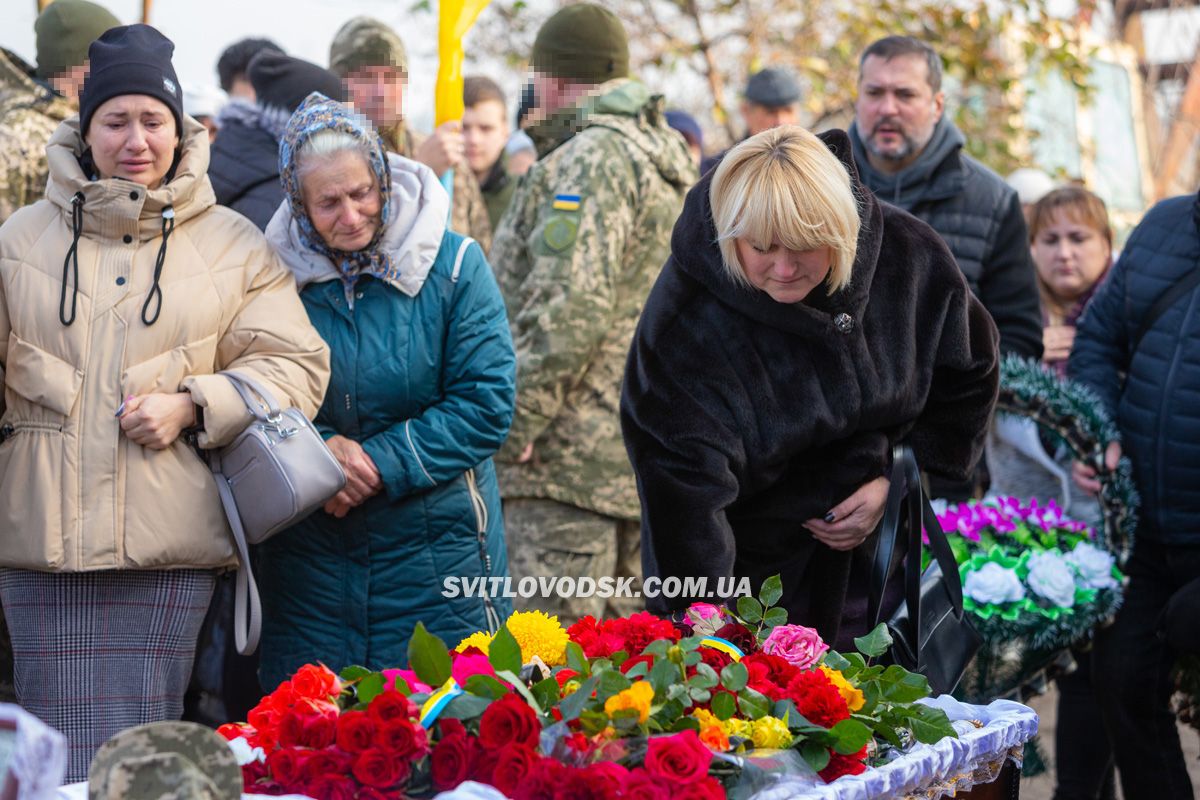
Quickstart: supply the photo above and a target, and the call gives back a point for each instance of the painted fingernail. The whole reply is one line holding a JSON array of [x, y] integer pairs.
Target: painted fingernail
[[829, 517]]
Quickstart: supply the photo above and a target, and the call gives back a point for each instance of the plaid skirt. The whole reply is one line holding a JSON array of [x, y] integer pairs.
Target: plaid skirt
[[98, 652]]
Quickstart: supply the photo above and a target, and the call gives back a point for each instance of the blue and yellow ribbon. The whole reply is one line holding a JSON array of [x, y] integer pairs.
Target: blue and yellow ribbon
[[724, 645], [437, 702]]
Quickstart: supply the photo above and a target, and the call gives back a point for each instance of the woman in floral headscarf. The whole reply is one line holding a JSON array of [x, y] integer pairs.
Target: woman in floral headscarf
[[421, 396]]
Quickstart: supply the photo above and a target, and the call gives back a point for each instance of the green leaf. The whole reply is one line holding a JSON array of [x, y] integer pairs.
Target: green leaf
[[573, 704], [619, 658], [625, 719], [700, 695], [546, 693], [670, 711], [611, 682], [835, 660], [576, 660], [691, 659], [734, 676], [705, 677], [657, 648], [638, 670], [369, 687], [685, 724], [519, 685], [504, 653], [931, 725], [486, 686], [771, 591], [662, 675], [905, 688], [875, 643], [428, 657], [464, 706], [850, 736], [753, 704], [593, 722], [724, 706], [775, 617], [353, 673], [816, 754], [750, 610]]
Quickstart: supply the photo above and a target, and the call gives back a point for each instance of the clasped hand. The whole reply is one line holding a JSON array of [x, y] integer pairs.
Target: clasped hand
[[156, 420], [851, 521], [362, 476]]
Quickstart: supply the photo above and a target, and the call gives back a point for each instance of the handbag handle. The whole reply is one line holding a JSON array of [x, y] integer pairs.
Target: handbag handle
[[906, 495], [246, 630], [245, 385]]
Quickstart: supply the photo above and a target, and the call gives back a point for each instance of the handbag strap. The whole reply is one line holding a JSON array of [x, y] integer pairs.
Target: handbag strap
[[246, 388], [906, 495], [246, 630]]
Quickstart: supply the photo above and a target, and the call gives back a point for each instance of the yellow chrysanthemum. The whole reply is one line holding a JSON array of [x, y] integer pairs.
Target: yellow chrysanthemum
[[539, 635], [771, 732], [480, 639], [738, 727], [638, 697], [852, 695]]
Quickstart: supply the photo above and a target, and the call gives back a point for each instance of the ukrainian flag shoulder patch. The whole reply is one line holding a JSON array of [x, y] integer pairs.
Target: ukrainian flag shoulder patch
[[567, 202]]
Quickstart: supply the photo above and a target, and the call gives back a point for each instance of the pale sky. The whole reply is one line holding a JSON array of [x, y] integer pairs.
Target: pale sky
[[201, 29]]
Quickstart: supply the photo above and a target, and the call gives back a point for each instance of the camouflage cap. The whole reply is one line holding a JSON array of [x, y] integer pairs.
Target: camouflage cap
[[65, 30], [165, 761], [366, 42]]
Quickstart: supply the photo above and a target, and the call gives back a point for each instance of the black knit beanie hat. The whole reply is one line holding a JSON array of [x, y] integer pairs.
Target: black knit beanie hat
[[132, 59], [282, 81]]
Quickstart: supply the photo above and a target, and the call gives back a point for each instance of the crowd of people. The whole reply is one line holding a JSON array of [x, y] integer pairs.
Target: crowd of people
[[555, 339]]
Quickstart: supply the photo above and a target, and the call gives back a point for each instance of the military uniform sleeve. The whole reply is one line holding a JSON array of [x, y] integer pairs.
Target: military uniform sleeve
[[470, 211], [271, 339], [23, 170], [559, 259]]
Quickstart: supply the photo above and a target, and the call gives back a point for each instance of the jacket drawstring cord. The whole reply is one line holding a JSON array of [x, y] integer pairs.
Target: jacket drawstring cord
[[168, 225], [72, 262]]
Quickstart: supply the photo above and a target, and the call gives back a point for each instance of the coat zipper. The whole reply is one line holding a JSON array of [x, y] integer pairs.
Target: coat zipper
[[485, 560]]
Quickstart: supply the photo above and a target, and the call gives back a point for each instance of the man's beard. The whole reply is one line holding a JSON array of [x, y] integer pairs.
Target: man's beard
[[905, 150]]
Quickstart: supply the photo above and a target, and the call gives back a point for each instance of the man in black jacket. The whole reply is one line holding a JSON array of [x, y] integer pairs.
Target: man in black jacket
[[910, 155]]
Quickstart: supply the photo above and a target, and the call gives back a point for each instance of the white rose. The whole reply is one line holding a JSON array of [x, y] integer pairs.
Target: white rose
[[1093, 565], [993, 583], [1051, 578]]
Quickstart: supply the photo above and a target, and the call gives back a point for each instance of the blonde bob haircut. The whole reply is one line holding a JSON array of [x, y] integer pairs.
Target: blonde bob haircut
[[784, 185]]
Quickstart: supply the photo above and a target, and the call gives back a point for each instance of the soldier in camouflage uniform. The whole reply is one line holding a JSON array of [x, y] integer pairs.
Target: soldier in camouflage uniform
[[31, 107], [576, 254], [370, 59], [165, 761], [34, 101]]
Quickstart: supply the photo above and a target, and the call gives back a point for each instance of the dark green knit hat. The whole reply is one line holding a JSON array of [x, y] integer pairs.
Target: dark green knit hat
[[65, 30], [584, 43], [366, 42]]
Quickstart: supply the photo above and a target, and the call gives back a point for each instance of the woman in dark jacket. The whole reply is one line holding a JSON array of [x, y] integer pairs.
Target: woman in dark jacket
[[799, 330]]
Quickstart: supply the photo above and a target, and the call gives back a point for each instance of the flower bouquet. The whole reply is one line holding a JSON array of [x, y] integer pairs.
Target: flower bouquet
[[638, 707], [1034, 582]]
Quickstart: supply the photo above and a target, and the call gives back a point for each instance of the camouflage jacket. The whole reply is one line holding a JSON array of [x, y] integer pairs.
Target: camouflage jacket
[[576, 253], [29, 114], [468, 211]]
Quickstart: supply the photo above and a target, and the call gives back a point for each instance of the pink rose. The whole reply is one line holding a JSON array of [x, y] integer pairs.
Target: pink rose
[[410, 677], [464, 667], [799, 646], [706, 618]]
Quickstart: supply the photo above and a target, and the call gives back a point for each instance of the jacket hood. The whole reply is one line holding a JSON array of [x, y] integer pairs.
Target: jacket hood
[[19, 87], [935, 175], [412, 236], [240, 111], [627, 106], [694, 250], [105, 201]]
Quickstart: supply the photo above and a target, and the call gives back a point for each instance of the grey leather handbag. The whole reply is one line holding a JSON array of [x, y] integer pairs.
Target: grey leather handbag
[[274, 474]]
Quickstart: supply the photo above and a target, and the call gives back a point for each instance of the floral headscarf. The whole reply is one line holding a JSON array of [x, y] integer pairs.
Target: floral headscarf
[[319, 113]]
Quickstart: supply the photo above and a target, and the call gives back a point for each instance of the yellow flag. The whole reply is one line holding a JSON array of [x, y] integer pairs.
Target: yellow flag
[[455, 18]]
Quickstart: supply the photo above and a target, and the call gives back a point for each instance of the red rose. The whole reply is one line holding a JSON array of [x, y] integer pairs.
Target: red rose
[[509, 720], [641, 785], [840, 765], [817, 699], [512, 764], [708, 788], [319, 732], [371, 793], [681, 758], [611, 772], [740, 636], [374, 767], [316, 681], [331, 787], [769, 674], [253, 773], [482, 763], [451, 727], [564, 675], [355, 731], [541, 781], [235, 730], [586, 784], [262, 718], [287, 766], [404, 739], [450, 761], [327, 762], [392, 705], [715, 658], [579, 742]]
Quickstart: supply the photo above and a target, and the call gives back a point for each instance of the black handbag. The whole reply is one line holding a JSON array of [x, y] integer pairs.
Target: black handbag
[[930, 632]]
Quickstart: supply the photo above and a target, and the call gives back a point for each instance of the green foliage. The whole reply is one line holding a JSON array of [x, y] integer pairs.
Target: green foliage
[[504, 653], [428, 657]]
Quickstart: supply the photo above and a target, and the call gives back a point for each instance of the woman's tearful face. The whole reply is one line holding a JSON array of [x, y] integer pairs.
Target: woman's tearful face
[[786, 275], [342, 199]]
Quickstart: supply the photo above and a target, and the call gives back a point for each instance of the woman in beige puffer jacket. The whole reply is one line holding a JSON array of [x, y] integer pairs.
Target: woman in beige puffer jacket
[[121, 295]]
